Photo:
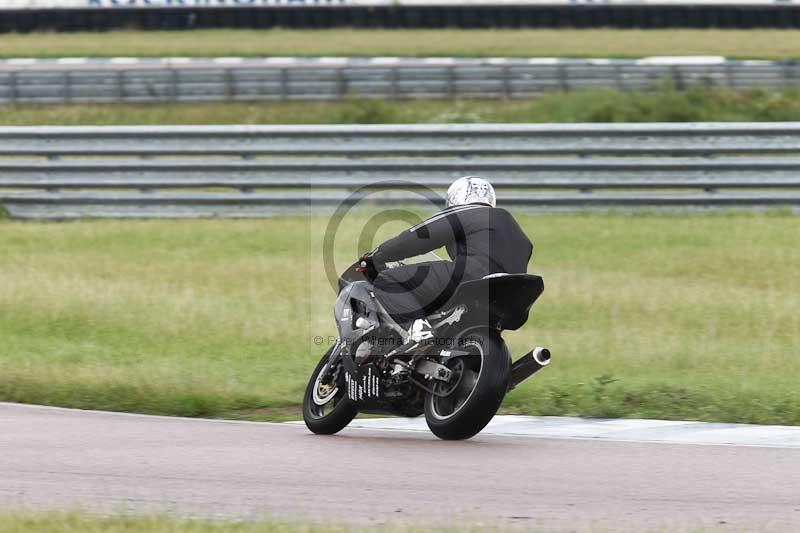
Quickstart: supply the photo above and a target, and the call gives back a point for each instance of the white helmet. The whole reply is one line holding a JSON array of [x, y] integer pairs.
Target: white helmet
[[471, 190]]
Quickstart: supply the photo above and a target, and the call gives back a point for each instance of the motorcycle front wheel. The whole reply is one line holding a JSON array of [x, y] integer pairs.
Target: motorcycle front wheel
[[462, 408], [326, 408]]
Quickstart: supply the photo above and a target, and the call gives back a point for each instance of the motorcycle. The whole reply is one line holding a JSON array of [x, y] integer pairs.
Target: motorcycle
[[457, 375]]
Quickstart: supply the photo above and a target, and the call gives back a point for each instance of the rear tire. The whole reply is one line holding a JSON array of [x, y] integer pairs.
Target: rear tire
[[329, 417], [481, 388]]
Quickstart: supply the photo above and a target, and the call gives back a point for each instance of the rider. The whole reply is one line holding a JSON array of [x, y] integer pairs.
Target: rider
[[480, 240]]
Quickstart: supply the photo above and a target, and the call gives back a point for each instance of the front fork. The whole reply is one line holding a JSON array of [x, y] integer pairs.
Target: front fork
[[336, 354]]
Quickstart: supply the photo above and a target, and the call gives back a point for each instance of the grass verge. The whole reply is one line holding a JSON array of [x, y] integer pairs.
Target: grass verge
[[693, 316], [755, 43], [663, 105], [81, 522]]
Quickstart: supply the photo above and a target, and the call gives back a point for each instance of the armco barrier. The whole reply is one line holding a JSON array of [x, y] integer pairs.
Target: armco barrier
[[287, 78], [67, 172]]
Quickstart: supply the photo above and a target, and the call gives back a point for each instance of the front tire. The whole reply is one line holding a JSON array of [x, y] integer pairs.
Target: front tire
[[462, 409], [326, 408]]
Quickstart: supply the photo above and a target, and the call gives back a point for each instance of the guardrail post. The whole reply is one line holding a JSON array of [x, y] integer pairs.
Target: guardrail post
[[563, 80], [451, 85], [230, 90], [13, 86], [120, 81], [619, 82], [284, 83], [507, 81], [341, 84], [729, 75], [66, 81], [174, 82], [787, 73], [393, 89], [783, 73], [677, 78]]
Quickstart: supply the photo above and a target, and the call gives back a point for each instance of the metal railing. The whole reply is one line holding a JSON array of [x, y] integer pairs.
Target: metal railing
[[250, 79], [66, 172]]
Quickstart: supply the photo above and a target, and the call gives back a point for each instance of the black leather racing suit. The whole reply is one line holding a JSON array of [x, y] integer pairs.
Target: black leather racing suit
[[480, 240]]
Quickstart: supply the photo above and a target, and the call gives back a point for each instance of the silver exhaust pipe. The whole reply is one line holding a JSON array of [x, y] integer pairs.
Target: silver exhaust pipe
[[528, 365], [541, 356]]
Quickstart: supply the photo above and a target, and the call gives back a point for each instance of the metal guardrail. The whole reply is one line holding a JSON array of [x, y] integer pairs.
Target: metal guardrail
[[748, 138], [251, 79], [65, 172]]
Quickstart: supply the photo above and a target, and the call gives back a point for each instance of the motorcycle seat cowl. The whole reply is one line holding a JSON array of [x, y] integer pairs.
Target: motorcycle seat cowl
[[507, 297]]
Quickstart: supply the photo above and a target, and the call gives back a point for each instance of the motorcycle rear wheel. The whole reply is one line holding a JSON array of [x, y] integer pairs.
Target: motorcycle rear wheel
[[326, 408], [463, 408]]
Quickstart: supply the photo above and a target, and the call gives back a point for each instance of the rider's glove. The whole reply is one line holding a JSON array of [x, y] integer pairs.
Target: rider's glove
[[367, 266]]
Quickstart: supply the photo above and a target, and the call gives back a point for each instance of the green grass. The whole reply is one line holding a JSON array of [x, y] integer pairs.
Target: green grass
[[663, 105], [82, 522], [771, 44], [691, 316], [87, 523]]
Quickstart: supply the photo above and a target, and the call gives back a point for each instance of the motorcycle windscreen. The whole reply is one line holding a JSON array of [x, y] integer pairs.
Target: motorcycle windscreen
[[506, 299], [350, 275]]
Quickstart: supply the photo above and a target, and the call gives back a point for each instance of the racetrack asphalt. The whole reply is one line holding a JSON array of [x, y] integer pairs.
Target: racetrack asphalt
[[54, 458]]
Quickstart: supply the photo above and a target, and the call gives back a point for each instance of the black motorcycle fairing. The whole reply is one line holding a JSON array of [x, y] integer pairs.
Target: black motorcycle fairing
[[351, 275], [505, 298], [355, 301]]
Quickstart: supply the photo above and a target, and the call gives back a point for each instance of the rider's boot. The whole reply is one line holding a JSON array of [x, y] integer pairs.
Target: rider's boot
[[420, 330]]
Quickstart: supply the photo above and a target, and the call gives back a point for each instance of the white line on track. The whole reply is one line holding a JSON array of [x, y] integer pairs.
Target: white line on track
[[616, 430]]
